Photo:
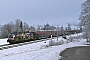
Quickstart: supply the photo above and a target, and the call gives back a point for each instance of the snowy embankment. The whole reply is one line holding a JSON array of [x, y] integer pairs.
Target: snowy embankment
[[39, 51], [3, 41]]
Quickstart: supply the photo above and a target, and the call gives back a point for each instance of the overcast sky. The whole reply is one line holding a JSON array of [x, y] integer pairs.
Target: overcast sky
[[54, 12]]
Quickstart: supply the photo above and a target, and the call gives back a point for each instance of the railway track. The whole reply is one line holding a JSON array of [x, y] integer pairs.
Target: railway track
[[7, 46]]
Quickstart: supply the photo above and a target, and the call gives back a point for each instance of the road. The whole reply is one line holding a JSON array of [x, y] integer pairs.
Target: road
[[76, 53]]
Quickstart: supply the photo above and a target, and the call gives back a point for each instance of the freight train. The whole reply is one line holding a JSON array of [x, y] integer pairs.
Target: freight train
[[30, 36]]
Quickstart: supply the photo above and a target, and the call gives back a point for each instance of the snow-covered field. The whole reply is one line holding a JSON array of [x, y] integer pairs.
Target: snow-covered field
[[38, 51]]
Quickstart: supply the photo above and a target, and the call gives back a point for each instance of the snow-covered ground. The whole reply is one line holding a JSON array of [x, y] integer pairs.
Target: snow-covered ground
[[38, 51], [3, 41]]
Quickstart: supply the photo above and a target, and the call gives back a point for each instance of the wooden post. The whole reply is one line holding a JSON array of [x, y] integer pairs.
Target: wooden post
[[57, 32], [51, 35]]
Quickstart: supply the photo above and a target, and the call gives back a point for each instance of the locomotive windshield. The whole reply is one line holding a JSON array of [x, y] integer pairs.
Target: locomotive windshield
[[10, 36]]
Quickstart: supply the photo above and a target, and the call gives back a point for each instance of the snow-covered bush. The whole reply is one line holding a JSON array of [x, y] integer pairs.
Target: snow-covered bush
[[53, 42], [86, 36], [75, 38], [60, 42], [71, 39]]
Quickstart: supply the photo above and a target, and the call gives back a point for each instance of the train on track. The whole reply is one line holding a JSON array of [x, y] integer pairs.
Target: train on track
[[31, 36]]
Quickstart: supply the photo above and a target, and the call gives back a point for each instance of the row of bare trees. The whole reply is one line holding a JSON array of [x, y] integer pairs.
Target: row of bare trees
[[19, 26], [11, 27]]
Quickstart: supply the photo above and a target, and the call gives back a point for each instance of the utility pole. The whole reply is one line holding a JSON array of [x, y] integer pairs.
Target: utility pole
[[51, 35], [57, 32]]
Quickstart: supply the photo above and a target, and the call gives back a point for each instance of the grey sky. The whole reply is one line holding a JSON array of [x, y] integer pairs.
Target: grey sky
[[54, 12]]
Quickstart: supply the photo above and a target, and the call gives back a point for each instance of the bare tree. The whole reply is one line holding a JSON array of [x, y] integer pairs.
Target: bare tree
[[17, 25], [68, 27], [32, 28], [85, 18], [48, 27], [26, 26], [62, 30], [6, 29], [38, 28]]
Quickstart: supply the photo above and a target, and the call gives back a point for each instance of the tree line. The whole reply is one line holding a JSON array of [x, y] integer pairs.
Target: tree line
[[20, 26]]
